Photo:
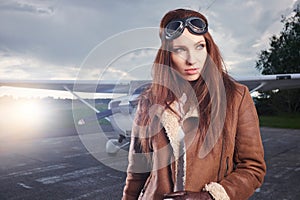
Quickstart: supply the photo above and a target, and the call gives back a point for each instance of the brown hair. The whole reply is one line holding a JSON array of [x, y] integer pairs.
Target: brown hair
[[167, 86]]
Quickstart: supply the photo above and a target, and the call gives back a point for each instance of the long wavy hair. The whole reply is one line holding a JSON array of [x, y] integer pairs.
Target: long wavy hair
[[168, 86]]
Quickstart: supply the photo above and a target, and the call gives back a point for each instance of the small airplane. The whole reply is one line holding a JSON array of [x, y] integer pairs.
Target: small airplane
[[121, 110]]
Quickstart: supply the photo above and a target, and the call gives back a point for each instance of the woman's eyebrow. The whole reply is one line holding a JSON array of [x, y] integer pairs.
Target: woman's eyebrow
[[179, 45], [200, 42]]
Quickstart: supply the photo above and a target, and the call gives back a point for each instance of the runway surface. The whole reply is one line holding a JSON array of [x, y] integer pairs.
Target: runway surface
[[62, 168]]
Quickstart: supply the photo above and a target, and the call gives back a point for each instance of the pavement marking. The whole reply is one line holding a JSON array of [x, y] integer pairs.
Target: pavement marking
[[77, 155], [89, 194], [35, 170], [267, 140], [82, 182], [283, 172], [76, 148], [284, 151], [69, 176], [24, 185], [113, 176], [21, 164]]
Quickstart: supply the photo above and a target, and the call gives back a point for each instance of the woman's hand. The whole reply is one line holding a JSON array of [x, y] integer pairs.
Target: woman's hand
[[186, 195]]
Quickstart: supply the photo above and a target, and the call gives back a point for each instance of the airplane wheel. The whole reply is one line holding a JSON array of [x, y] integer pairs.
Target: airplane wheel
[[121, 138]]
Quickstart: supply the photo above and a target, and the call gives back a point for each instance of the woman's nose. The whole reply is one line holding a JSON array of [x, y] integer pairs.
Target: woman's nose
[[191, 58]]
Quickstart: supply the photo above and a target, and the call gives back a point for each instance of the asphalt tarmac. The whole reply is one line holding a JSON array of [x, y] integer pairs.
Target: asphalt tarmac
[[63, 168]]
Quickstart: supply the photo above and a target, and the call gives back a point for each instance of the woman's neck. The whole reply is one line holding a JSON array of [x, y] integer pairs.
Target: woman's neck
[[193, 83]]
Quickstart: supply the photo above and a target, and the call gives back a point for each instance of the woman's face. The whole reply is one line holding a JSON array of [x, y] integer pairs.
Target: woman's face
[[188, 55]]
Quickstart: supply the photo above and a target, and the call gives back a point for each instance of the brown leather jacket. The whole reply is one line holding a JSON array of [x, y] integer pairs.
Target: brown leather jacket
[[236, 161]]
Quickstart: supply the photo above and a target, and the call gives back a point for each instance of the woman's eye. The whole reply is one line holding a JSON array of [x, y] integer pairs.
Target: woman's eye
[[200, 46], [178, 50]]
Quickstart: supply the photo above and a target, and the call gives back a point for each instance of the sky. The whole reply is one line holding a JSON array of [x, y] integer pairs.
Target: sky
[[117, 40]]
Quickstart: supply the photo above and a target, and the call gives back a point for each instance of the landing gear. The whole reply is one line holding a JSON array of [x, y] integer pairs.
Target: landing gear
[[113, 146], [121, 138]]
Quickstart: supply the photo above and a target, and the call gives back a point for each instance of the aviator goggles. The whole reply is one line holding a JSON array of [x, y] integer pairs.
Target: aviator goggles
[[176, 27]]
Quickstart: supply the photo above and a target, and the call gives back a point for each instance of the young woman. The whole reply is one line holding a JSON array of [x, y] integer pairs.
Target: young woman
[[196, 133]]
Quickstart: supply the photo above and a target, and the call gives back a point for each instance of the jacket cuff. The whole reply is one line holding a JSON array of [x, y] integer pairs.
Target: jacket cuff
[[216, 191]]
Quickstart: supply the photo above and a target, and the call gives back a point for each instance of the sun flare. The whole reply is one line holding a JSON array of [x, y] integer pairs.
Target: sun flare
[[21, 118], [30, 112]]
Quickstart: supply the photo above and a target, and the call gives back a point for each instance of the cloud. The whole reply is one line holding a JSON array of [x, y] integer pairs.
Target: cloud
[[50, 39], [242, 29], [26, 6], [25, 67]]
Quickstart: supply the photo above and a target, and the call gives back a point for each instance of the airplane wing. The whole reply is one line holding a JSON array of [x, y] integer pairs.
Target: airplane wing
[[72, 85], [271, 82], [254, 83]]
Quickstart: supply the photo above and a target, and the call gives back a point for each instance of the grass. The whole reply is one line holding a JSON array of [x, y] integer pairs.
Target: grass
[[284, 120]]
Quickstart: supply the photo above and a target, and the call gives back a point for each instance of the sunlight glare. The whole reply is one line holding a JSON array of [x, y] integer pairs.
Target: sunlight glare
[[21, 119], [29, 112]]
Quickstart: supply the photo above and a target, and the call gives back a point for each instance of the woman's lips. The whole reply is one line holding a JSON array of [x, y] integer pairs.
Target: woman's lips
[[191, 71]]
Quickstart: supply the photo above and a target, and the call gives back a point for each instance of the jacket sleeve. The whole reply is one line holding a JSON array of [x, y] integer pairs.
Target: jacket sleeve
[[249, 165], [137, 172], [138, 166]]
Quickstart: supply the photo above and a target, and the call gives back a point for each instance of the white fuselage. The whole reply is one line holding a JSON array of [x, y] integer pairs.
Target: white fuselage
[[123, 114]]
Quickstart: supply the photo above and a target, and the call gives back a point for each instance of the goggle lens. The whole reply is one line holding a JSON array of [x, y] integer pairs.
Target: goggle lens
[[175, 28], [198, 25]]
